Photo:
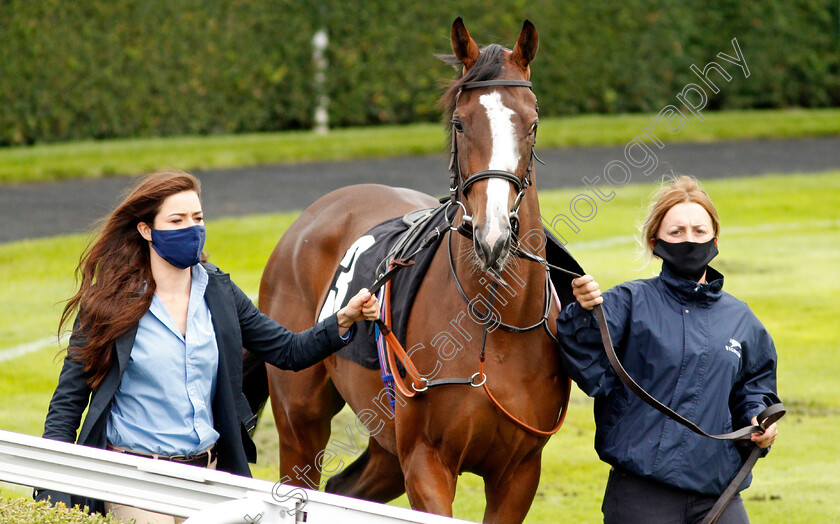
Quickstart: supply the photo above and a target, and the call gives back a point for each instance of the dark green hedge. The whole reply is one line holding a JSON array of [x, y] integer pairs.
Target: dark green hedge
[[119, 68]]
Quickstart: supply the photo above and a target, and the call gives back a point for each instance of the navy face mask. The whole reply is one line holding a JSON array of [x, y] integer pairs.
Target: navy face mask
[[180, 247], [686, 259]]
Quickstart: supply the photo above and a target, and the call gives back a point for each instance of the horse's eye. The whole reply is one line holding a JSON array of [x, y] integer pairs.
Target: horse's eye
[[459, 127], [534, 128]]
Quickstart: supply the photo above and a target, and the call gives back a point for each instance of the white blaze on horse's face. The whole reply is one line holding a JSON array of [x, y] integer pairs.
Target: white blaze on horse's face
[[504, 157]]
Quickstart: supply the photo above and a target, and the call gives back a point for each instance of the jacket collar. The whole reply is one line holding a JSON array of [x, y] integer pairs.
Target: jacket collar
[[123, 344], [214, 294], [685, 290]]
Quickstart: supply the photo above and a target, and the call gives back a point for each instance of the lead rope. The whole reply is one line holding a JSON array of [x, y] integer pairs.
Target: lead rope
[[510, 416], [393, 346], [387, 376], [395, 351], [767, 417]]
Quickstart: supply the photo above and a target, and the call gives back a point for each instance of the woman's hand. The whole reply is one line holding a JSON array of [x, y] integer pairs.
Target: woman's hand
[[765, 439], [587, 291], [361, 307]]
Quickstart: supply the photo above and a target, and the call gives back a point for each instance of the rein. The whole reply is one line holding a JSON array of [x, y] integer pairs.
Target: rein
[[458, 188], [766, 418], [419, 384]]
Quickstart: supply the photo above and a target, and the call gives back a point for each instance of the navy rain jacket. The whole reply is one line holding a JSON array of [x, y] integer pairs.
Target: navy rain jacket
[[695, 348]]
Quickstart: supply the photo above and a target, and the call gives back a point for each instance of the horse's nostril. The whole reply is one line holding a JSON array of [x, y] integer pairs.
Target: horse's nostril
[[499, 251], [482, 249], [491, 255]]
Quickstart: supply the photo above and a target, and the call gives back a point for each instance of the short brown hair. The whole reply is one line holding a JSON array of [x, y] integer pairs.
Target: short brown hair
[[681, 189]]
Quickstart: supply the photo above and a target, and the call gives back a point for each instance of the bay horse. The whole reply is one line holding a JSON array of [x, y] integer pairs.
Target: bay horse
[[436, 434]]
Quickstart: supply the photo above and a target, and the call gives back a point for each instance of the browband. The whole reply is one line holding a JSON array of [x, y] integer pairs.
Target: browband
[[493, 83]]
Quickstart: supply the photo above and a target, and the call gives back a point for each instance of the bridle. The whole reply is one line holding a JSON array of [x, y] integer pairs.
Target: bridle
[[458, 185], [457, 189], [395, 350]]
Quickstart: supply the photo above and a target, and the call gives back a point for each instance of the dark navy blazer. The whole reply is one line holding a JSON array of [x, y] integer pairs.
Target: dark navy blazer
[[237, 324]]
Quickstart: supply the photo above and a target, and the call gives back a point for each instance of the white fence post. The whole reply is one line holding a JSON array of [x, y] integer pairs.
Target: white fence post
[[319, 46]]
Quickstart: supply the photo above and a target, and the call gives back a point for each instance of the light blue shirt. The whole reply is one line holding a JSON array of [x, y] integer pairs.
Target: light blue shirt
[[164, 403]]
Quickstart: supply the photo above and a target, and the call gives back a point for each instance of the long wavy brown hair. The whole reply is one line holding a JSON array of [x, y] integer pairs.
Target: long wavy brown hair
[[115, 276]]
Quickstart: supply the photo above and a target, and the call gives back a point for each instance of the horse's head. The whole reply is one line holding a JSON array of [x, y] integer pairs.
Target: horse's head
[[494, 121]]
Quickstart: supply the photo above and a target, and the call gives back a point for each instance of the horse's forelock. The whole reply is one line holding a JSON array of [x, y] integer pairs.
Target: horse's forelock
[[487, 67]]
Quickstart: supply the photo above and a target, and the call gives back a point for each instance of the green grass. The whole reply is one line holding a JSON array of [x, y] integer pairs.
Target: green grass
[[143, 155], [780, 250]]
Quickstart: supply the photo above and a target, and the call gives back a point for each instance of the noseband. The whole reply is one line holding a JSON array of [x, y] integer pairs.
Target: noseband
[[459, 188]]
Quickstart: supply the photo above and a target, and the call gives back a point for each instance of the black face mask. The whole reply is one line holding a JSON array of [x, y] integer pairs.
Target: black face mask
[[686, 259]]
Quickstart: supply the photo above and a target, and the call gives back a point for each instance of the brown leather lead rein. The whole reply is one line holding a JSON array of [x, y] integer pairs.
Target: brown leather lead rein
[[766, 418], [776, 411], [418, 385]]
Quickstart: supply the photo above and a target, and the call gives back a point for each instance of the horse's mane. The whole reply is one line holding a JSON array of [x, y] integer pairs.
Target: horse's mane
[[487, 67]]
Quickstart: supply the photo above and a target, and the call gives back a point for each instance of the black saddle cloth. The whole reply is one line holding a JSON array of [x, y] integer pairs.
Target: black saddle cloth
[[365, 261], [363, 264]]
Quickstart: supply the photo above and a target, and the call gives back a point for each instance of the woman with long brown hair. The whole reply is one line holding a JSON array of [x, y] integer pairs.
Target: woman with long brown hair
[[155, 353], [689, 344]]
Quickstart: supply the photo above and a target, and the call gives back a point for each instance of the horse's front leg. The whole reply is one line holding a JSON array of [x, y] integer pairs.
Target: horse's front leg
[[429, 483], [303, 404], [509, 500]]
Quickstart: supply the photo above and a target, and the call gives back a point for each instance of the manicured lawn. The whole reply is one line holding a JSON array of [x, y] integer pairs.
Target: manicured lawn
[[190, 153], [780, 250]]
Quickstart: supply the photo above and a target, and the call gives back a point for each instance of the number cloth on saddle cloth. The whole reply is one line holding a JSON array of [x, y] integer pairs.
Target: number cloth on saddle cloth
[[364, 262]]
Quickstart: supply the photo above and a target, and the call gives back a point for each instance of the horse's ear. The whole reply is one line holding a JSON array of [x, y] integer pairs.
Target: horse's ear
[[466, 50], [526, 46]]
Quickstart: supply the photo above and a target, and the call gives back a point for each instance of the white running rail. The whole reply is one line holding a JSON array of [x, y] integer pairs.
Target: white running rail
[[206, 496]]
